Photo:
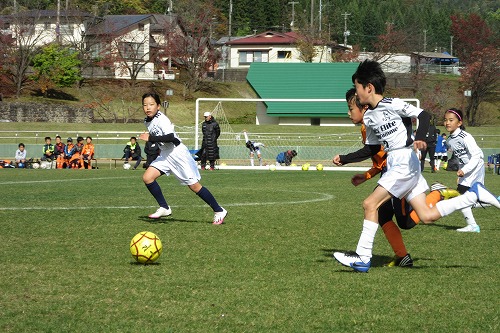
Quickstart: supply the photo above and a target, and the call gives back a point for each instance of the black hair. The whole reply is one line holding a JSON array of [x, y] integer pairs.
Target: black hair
[[58, 136], [47, 138], [152, 94], [80, 138], [133, 137], [459, 114], [20, 145], [89, 137], [350, 95], [370, 71]]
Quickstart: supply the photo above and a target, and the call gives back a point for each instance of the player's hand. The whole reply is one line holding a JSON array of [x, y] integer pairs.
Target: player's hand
[[336, 160], [358, 179], [144, 136], [419, 145], [460, 173]]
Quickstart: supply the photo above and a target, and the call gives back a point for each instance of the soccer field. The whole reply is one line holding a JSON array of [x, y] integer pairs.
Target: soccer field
[[66, 265]]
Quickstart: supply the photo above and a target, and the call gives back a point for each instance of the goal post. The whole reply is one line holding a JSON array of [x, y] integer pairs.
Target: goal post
[[314, 148]]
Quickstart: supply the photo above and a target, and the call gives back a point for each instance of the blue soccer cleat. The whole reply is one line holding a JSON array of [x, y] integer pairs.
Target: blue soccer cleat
[[353, 261], [483, 195]]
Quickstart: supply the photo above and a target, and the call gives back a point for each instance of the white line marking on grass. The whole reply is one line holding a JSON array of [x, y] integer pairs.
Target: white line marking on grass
[[323, 197], [17, 182]]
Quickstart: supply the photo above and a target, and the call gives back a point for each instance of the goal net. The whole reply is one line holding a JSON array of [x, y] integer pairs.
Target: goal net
[[315, 146]]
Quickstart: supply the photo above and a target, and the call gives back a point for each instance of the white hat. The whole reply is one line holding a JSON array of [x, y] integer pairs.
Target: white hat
[[206, 114]]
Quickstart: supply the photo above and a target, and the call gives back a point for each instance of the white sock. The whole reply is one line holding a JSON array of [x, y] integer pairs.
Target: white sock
[[446, 207], [438, 164], [260, 161], [469, 218], [251, 161], [365, 243]]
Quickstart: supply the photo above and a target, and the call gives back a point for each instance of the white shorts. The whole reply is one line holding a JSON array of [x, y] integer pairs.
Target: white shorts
[[403, 178], [180, 163], [475, 176]]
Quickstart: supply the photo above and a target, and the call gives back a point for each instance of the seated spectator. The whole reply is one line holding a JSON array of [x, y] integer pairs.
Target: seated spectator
[[88, 153], [152, 150], [48, 150], [59, 152], [69, 150], [132, 152], [20, 156], [285, 157], [76, 161]]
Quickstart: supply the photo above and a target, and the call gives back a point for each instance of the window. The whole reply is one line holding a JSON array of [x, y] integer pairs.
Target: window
[[284, 54], [66, 29], [130, 50], [141, 27], [247, 57]]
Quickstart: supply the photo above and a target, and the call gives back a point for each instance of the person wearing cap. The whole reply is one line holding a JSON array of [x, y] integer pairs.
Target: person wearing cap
[[209, 148], [69, 150], [59, 152]]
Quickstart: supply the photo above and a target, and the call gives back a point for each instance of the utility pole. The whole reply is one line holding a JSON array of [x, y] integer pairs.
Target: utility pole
[[425, 40], [319, 23], [58, 25], [293, 3], [230, 18], [346, 32], [312, 16], [451, 45]]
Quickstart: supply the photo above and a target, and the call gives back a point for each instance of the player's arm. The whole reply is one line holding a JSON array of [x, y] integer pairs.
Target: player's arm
[[424, 119], [476, 155], [170, 137], [360, 155]]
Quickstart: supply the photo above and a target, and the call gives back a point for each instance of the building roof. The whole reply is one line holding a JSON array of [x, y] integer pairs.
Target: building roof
[[267, 38], [115, 23], [434, 55], [302, 80]]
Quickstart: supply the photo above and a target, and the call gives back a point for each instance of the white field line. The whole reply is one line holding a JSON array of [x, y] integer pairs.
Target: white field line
[[321, 197]]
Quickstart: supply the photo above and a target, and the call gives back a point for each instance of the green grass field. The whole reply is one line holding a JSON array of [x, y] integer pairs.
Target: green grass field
[[66, 265]]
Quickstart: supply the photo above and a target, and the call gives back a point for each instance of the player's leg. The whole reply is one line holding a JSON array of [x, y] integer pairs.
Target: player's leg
[[472, 225], [149, 177], [251, 158], [138, 161], [361, 260], [385, 213]]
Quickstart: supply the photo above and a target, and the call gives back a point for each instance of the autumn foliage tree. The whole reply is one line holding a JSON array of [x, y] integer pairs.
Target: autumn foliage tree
[[477, 48]]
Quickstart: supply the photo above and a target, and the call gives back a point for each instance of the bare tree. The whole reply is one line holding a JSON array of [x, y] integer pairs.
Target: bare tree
[[20, 42], [191, 49]]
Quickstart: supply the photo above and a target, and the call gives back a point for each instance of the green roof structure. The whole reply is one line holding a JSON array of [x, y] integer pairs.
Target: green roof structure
[[302, 80]]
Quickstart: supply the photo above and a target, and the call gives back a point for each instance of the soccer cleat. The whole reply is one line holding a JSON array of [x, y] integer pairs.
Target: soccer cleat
[[219, 216], [483, 195], [405, 261], [446, 192], [161, 212], [353, 261], [470, 228]]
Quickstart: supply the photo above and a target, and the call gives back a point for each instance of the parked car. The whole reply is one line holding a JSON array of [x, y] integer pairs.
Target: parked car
[[164, 74]]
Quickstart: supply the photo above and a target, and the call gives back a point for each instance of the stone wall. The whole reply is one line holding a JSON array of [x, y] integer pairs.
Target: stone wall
[[36, 112]]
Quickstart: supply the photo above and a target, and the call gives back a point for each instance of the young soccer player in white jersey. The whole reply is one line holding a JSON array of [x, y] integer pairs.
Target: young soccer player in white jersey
[[403, 179], [174, 158], [254, 148], [471, 161]]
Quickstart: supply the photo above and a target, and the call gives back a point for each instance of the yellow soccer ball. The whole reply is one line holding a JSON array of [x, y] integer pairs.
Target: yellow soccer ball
[[272, 167], [319, 167], [306, 166], [145, 247]]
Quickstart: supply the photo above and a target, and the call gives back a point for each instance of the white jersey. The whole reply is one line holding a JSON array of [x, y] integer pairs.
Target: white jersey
[[20, 155], [470, 157], [161, 125], [172, 159], [384, 124]]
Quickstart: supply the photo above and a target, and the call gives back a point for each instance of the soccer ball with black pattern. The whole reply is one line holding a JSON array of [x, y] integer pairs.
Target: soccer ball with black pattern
[[146, 247]]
